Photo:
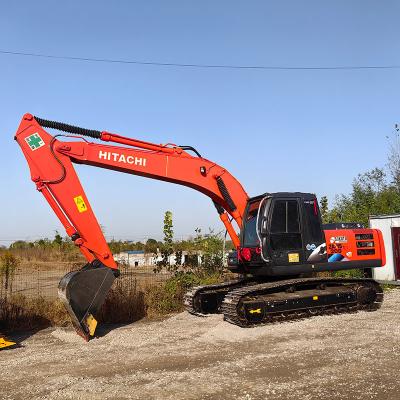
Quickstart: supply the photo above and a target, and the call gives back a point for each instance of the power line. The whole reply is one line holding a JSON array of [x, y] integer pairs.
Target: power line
[[201, 66]]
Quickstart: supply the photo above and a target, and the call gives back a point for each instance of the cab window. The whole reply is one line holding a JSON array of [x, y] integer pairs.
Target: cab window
[[250, 238], [285, 225]]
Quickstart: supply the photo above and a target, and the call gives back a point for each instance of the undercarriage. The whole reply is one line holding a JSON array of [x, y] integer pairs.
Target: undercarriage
[[248, 303]]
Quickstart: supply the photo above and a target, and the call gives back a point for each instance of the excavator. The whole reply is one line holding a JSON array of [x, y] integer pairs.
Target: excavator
[[279, 251]]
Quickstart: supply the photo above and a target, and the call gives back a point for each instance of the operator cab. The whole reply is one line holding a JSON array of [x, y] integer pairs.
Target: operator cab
[[279, 229]]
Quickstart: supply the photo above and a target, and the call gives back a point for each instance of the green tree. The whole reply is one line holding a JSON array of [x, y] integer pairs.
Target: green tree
[[19, 245], [394, 157], [323, 204], [371, 194], [167, 247], [151, 246], [58, 240], [211, 247], [168, 228]]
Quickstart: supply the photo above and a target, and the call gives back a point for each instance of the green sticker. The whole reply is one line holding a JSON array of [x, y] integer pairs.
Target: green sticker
[[34, 141]]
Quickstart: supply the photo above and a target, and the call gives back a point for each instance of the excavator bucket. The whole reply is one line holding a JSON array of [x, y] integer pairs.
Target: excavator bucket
[[83, 292]]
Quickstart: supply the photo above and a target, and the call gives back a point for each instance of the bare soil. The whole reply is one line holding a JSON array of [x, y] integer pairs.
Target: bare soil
[[352, 356]]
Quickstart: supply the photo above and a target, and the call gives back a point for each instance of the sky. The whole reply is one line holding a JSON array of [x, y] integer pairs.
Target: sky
[[274, 130]]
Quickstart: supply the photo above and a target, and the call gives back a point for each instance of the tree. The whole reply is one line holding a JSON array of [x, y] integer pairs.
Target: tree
[[211, 245], [323, 203], [394, 157], [19, 245], [167, 247], [168, 231], [151, 246], [371, 194], [57, 239], [8, 264]]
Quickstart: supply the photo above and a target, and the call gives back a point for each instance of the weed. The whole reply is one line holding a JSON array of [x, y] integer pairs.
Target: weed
[[123, 305], [168, 297], [349, 273]]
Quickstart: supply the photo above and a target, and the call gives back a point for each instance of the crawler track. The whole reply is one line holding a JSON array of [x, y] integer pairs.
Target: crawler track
[[207, 299], [299, 298]]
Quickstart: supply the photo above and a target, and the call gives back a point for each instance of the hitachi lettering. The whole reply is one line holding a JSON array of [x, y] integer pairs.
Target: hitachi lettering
[[122, 158]]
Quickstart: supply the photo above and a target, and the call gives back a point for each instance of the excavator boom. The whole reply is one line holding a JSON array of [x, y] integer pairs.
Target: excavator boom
[[51, 165]]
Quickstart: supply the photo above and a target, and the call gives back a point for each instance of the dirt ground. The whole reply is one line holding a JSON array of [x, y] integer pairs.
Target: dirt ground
[[353, 356]]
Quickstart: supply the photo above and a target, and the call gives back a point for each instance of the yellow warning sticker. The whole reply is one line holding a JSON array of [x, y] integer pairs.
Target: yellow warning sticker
[[91, 323], [315, 298], [294, 257], [80, 204]]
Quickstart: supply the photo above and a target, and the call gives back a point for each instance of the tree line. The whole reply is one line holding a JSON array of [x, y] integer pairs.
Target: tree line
[[375, 192]]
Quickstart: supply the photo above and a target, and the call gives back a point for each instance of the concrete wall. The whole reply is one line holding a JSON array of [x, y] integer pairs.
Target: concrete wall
[[384, 224], [152, 259], [134, 259]]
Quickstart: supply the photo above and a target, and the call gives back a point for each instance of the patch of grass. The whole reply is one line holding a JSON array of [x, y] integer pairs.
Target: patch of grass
[[123, 305], [20, 313], [168, 297], [349, 273], [388, 287]]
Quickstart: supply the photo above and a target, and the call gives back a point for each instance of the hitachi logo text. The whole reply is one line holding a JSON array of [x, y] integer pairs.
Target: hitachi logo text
[[122, 158]]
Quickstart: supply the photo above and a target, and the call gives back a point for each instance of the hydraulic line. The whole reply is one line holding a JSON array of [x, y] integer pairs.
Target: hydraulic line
[[61, 126]]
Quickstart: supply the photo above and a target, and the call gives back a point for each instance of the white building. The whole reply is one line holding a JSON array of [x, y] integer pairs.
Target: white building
[[135, 258], [389, 225], [138, 258]]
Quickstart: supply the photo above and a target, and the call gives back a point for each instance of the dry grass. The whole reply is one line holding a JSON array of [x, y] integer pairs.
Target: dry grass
[[21, 313], [133, 296], [168, 297], [48, 253], [122, 305]]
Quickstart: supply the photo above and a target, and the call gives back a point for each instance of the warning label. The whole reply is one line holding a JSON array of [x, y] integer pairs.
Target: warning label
[[80, 204], [294, 257]]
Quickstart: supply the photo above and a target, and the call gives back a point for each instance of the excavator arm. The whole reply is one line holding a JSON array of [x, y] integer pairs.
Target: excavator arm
[[51, 165]]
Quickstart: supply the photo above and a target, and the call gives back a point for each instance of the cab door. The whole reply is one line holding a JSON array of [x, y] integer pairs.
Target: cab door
[[396, 251], [285, 233], [313, 235]]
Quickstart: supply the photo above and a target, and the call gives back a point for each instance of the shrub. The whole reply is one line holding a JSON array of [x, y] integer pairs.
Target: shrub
[[20, 313], [8, 264], [168, 297], [123, 304], [349, 273]]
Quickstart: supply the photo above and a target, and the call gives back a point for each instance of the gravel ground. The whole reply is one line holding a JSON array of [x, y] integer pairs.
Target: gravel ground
[[352, 356]]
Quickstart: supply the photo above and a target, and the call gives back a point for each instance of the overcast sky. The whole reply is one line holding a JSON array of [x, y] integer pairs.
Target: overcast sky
[[282, 130]]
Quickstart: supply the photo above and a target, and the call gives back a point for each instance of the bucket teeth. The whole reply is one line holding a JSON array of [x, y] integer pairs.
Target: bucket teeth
[[83, 292]]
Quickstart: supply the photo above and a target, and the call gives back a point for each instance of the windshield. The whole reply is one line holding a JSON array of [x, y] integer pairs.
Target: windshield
[[250, 238]]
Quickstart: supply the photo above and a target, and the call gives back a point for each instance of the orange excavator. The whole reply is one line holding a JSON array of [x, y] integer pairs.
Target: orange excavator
[[280, 248]]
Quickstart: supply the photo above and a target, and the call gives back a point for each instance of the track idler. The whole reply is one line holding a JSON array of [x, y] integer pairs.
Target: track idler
[[83, 292]]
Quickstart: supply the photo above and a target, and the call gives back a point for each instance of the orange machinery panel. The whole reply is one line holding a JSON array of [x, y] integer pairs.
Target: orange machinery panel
[[355, 245]]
